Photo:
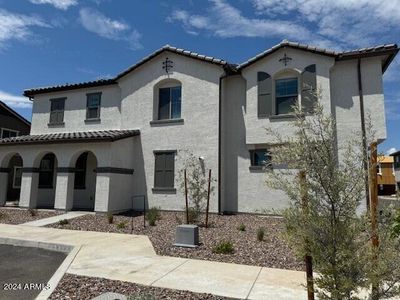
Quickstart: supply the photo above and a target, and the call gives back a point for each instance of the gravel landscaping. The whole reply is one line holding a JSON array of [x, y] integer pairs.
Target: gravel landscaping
[[272, 252], [82, 287], [19, 216]]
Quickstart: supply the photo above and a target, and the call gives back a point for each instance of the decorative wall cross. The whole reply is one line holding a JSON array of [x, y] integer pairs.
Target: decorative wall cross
[[285, 59], [167, 65]]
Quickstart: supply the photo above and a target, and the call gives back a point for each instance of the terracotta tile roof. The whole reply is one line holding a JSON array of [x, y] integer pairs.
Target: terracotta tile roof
[[387, 49], [102, 82], [71, 137]]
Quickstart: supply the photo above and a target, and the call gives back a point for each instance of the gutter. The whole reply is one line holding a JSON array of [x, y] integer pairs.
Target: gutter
[[363, 130]]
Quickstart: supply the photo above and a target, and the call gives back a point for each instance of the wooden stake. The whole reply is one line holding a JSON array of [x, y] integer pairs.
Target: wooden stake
[[374, 210], [208, 196], [186, 200], [307, 257]]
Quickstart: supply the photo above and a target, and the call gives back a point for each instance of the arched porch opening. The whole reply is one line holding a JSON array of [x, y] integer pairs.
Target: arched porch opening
[[11, 166], [47, 181], [85, 182]]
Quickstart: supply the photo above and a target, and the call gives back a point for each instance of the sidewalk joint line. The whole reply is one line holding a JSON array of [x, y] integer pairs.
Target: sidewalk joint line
[[169, 272], [252, 286]]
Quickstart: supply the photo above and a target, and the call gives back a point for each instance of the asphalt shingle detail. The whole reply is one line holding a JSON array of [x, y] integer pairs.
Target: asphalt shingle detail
[[71, 137]]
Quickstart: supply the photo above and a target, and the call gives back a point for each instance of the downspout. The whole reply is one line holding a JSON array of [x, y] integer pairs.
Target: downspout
[[363, 131]]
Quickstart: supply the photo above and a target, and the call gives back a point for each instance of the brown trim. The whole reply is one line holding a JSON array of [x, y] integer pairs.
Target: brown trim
[[30, 170], [114, 170], [66, 170], [5, 170]]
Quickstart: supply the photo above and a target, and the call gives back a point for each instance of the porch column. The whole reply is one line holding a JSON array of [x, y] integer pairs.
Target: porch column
[[102, 197], [3, 185], [64, 194], [29, 187]]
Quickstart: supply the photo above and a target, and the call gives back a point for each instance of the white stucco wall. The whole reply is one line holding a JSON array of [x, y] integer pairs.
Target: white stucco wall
[[198, 133], [255, 126], [75, 110]]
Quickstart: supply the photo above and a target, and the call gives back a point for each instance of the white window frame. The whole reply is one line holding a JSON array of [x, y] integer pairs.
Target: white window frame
[[15, 172], [285, 74], [12, 130]]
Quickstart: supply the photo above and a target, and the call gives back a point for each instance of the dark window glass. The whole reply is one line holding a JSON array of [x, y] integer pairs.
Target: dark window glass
[[164, 170], [264, 82], [259, 157], [57, 111], [286, 94], [93, 106], [169, 103], [46, 171], [80, 172], [8, 133], [17, 177]]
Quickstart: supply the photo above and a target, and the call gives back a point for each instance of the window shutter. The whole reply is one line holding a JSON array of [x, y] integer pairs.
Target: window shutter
[[264, 83], [308, 88], [169, 169]]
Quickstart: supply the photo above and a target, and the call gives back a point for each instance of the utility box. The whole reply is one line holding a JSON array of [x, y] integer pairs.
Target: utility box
[[187, 236]]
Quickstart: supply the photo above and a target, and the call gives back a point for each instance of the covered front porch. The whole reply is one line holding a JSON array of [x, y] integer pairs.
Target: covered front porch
[[69, 171]]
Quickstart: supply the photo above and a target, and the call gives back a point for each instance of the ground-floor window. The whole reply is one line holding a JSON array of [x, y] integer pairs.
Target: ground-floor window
[[164, 169], [17, 177], [259, 157]]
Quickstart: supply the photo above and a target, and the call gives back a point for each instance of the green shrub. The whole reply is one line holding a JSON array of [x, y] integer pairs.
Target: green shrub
[[224, 247], [63, 222], [153, 215], [121, 225], [110, 218], [194, 215], [32, 212], [242, 227], [260, 234]]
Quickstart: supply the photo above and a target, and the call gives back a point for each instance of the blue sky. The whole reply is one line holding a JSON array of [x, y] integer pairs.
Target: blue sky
[[48, 42]]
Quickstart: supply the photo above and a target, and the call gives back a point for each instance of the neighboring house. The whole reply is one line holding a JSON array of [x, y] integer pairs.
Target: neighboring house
[[386, 175], [13, 124], [108, 145], [396, 158]]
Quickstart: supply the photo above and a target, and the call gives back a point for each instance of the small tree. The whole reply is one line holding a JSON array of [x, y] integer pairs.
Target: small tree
[[328, 229], [197, 185]]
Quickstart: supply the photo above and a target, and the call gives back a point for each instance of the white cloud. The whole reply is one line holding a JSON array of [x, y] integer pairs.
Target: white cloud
[[390, 151], [15, 101], [94, 21], [60, 4], [333, 24], [17, 26], [351, 22]]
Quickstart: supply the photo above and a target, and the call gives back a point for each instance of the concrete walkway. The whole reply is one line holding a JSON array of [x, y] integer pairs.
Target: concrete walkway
[[132, 258], [55, 219]]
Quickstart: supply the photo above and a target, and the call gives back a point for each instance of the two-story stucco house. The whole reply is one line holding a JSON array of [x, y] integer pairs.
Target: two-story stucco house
[[114, 144]]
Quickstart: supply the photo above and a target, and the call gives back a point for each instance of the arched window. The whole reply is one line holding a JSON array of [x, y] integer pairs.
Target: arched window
[[169, 100]]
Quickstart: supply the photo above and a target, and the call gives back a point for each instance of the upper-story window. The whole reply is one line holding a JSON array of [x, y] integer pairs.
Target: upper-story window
[[7, 133], [279, 93], [93, 106], [57, 110], [259, 157], [169, 102], [286, 95]]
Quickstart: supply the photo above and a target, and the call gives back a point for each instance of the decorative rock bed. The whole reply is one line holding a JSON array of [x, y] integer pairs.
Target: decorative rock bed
[[81, 287], [272, 252], [19, 216]]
